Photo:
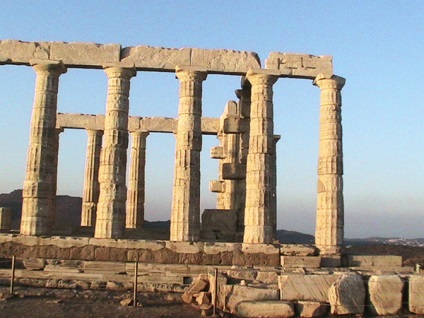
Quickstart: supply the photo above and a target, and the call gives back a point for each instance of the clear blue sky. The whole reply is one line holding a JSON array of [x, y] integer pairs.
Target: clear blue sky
[[378, 46]]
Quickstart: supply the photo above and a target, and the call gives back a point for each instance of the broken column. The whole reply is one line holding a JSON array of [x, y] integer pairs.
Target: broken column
[[40, 184], [110, 219], [91, 178], [136, 182], [259, 187], [330, 210], [185, 216]]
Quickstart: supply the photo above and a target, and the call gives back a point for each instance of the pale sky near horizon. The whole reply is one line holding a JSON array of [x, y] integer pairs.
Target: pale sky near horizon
[[378, 46]]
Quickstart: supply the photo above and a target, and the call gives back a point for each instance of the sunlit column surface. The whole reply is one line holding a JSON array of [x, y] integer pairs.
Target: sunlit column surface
[[259, 185], [110, 219], [91, 178], [136, 182], [330, 210], [185, 216], [39, 188]]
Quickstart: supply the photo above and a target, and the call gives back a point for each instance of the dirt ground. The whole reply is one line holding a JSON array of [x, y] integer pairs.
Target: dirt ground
[[57, 303]]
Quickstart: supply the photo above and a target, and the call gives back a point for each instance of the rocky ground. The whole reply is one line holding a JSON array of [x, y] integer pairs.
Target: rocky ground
[[58, 303]]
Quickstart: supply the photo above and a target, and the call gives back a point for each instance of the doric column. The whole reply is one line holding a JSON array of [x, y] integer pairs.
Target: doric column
[[185, 216], [55, 156], [259, 187], [273, 174], [40, 184], [135, 201], [330, 210], [91, 178], [110, 219], [244, 96]]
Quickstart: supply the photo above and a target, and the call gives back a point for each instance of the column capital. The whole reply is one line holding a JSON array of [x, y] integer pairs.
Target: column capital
[[94, 132], [141, 133], [186, 74], [334, 82], [48, 66], [120, 71], [262, 77]]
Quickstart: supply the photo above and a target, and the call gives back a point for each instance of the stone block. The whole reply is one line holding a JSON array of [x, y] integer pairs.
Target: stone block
[[64, 242], [242, 273], [305, 287], [366, 261], [268, 249], [217, 153], [85, 54], [185, 247], [104, 267], [217, 186], [217, 247], [156, 58], [385, 294], [5, 219], [232, 125], [225, 61], [300, 65], [21, 52], [265, 309], [347, 295], [267, 277], [234, 294], [416, 294], [298, 250], [219, 224], [233, 171], [301, 261], [309, 309], [145, 244], [331, 260], [34, 264]]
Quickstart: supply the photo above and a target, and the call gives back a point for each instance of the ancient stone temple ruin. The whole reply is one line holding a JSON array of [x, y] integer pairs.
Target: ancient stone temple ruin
[[241, 229]]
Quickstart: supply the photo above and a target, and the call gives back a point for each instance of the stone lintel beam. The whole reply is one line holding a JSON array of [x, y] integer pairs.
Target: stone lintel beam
[[210, 126], [145, 58], [300, 65]]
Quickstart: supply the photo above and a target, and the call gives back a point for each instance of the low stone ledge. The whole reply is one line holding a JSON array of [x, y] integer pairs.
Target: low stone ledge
[[366, 261], [298, 250], [301, 261], [265, 309]]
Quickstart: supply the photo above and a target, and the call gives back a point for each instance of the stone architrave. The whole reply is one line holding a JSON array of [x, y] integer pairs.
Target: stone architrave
[[40, 184], [110, 219], [330, 208], [259, 187], [136, 182], [185, 216], [91, 178]]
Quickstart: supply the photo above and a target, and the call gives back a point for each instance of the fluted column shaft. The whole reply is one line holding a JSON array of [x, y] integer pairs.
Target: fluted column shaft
[[330, 208], [274, 188], [136, 182], [185, 216], [91, 178], [40, 179], [55, 155], [259, 187], [110, 219]]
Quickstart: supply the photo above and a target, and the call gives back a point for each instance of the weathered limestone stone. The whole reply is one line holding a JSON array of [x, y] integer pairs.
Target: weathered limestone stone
[[234, 294], [20, 52], [198, 285], [301, 261], [416, 294], [34, 264], [242, 273], [347, 295], [185, 216], [298, 250], [85, 54], [385, 294], [91, 178], [136, 182], [265, 309], [40, 184], [267, 277], [367, 261], [217, 186], [219, 224], [158, 58], [309, 309], [300, 65], [5, 219], [305, 287], [55, 160], [257, 219], [329, 230], [110, 220], [225, 61]]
